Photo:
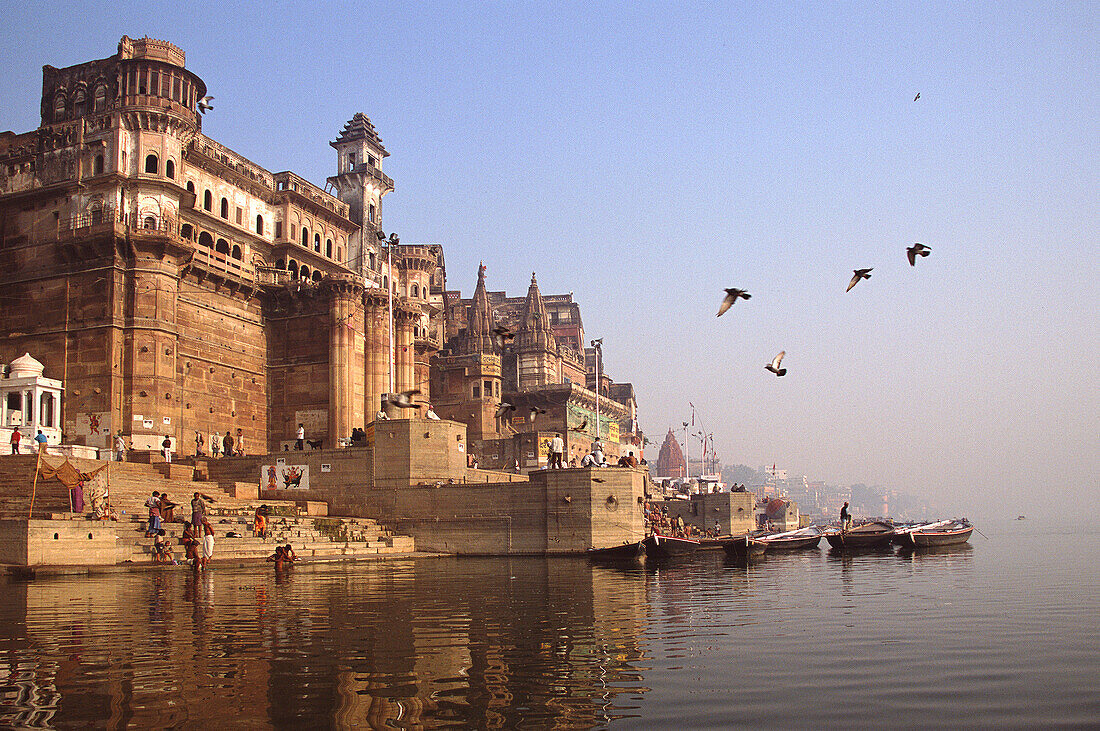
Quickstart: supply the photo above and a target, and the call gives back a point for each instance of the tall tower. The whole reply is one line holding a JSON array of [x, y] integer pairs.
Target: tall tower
[[360, 183], [535, 347]]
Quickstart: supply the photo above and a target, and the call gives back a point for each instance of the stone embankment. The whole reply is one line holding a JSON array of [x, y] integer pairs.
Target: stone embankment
[[57, 538]]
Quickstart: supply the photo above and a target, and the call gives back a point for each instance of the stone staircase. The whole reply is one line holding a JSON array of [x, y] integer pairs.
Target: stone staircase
[[132, 483], [310, 538]]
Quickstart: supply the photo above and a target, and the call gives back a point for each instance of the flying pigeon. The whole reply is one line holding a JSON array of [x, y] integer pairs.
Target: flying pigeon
[[505, 408], [403, 400], [857, 275], [501, 335], [582, 426], [730, 299], [917, 96], [916, 250], [774, 365], [535, 411], [204, 104]]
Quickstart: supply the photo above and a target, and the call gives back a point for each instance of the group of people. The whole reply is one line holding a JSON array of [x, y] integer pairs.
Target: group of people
[[198, 534], [40, 440], [227, 445], [283, 557]]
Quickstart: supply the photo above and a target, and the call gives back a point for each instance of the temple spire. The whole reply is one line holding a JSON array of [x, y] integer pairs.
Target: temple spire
[[479, 329], [534, 328]]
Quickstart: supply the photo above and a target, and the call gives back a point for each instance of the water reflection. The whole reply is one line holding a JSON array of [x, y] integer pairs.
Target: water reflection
[[442, 642]]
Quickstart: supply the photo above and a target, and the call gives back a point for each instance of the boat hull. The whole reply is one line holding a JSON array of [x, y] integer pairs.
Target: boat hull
[[796, 543], [845, 541], [626, 552], [666, 546], [745, 547], [927, 539]]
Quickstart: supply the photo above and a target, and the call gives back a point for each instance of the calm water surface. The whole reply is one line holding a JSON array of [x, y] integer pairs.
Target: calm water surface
[[1005, 632]]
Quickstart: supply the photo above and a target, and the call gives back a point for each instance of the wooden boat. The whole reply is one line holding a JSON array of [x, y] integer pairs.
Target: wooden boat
[[793, 540], [658, 546], [868, 535], [625, 552], [712, 544], [744, 547], [940, 533]]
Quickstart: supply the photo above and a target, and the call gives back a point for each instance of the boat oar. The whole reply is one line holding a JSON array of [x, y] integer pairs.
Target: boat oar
[[983, 535]]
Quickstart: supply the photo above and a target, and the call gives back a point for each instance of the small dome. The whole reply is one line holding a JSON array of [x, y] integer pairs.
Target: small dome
[[25, 365]]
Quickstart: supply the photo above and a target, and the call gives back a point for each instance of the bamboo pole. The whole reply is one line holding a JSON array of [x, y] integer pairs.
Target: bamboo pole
[[34, 486]]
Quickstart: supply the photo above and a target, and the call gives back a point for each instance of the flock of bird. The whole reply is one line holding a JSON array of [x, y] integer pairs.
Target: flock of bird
[[733, 294]]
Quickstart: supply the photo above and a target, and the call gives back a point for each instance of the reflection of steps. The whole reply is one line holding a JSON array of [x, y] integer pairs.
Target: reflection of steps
[[310, 538]]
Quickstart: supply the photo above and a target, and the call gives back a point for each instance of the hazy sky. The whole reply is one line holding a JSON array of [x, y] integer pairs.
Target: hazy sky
[[644, 156]]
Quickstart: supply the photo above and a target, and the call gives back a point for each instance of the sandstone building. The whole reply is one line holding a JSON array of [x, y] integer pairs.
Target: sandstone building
[[175, 286]]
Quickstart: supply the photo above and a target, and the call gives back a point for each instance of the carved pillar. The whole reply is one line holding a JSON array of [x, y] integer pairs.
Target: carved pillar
[[376, 358], [344, 320], [405, 378]]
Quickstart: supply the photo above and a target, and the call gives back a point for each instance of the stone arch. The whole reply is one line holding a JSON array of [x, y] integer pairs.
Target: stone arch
[[317, 275], [222, 247], [187, 231], [303, 272], [152, 163], [292, 267], [237, 253], [224, 212], [208, 201], [205, 239], [170, 169], [259, 224]]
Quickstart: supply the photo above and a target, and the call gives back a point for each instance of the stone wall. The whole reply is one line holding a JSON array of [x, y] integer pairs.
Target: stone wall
[[733, 511], [56, 542]]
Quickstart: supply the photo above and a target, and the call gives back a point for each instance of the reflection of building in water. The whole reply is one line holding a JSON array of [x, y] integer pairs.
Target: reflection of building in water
[[468, 642]]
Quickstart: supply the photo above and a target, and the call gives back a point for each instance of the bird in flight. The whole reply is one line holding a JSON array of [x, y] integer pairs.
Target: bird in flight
[[505, 408], [730, 299], [774, 365], [858, 274], [582, 426], [535, 411], [916, 250], [204, 104], [917, 96], [501, 335], [403, 400]]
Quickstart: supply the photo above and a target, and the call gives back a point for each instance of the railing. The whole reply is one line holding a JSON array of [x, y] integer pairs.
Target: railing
[[272, 276], [221, 264], [96, 217], [374, 172]]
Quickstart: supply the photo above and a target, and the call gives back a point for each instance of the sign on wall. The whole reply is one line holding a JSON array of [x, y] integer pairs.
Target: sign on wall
[[284, 477], [95, 428]]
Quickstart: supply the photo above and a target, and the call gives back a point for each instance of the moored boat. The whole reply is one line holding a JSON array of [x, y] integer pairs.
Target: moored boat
[[625, 552], [794, 540], [658, 546], [869, 535], [744, 547], [940, 533]]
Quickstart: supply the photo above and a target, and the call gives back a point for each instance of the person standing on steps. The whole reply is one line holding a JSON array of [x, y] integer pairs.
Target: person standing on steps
[[227, 444], [166, 445], [240, 442], [120, 448], [16, 437], [557, 451], [300, 444], [41, 440], [200, 444], [215, 445]]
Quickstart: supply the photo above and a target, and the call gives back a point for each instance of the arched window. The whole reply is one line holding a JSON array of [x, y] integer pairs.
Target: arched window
[[222, 247], [187, 232], [150, 223], [151, 163], [97, 213], [97, 165], [225, 208], [317, 243], [328, 248], [293, 269], [190, 186], [58, 107], [78, 103], [45, 411], [207, 201], [303, 273], [280, 264], [339, 254], [205, 239], [415, 290], [99, 100], [237, 254], [305, 236], [385, 283], [316, 275], [259, 224], [170, 169]]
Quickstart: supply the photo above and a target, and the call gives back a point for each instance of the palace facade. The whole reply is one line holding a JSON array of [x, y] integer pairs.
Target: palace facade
[[173, 286]]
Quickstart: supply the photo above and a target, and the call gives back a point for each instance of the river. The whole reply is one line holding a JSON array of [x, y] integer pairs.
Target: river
[[1002, 632]]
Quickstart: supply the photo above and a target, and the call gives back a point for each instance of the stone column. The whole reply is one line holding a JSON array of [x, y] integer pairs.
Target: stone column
[[405, 378], [376, 358], [345, 297]]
